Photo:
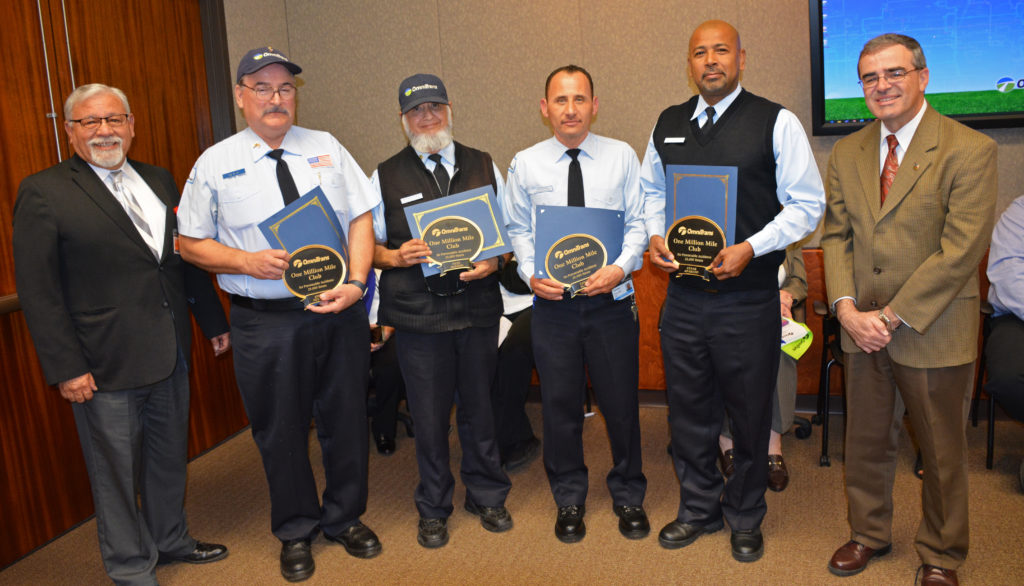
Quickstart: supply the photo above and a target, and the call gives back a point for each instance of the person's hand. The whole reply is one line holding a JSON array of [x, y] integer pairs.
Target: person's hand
[[480, 270], [786, 303], [411, 252], [547, 288], [731, 260], [337, 299], [266, 264], [78, 389], [385, 333], [604, 280], [868, 332], [660, 256], [221, 343]]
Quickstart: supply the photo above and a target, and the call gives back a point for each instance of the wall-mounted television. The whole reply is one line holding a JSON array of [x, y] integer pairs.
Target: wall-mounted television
[[974, 49]]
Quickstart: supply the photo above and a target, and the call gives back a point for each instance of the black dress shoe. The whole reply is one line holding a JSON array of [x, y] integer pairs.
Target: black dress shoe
[[296, 560], [633, 522], [678, 534], [778, 474], [433, 533], [521, 455], [385, 444], [202, 553], [747, 546], [493, 519], [359, 541], [569, 528]]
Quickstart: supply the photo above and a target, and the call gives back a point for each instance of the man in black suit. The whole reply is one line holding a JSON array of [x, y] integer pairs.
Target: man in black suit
[[106, 298]]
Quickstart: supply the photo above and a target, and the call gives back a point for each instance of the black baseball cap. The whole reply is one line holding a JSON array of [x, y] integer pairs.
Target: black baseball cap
[[420, 89], [259, 58]]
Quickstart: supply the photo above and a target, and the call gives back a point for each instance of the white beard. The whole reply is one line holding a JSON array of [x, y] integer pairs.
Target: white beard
[[107, 159], [429, 143]]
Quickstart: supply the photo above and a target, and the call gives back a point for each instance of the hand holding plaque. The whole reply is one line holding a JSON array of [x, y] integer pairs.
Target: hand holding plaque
[[573, 243], [454, 243], [700, 215]]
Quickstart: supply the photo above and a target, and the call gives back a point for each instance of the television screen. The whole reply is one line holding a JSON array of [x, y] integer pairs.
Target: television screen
[[974, 49]]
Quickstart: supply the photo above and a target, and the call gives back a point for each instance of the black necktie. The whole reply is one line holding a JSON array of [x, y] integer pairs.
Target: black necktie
[[575, 179], [440, 174], [289, 192], [710, 111]]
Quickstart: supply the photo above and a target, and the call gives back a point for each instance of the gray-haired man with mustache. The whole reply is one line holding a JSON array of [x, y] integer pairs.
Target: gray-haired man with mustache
[[292, 365]]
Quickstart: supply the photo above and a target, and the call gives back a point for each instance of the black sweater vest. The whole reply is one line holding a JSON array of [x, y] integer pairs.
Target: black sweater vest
[[405, 302], [742, 137]]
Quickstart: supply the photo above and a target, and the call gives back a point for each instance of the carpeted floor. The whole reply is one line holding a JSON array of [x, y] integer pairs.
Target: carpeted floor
[[227, 503]]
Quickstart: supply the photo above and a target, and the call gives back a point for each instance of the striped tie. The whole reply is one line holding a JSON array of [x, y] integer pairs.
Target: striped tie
[[891, 165]]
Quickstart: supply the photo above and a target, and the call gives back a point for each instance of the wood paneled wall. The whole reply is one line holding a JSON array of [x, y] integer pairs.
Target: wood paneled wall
[[153, 50]]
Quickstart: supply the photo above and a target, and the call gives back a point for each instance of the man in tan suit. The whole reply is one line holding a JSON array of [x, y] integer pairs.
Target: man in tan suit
[[907, 222]]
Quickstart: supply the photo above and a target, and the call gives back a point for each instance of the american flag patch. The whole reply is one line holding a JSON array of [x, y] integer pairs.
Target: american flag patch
[[321, 161]]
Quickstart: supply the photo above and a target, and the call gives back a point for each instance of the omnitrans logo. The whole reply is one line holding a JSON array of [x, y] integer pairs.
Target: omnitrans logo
[[683, 231], [1008, 84], [416, 88]]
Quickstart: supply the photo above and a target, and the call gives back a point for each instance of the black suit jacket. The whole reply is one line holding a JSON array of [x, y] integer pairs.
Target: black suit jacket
[[94, 296]]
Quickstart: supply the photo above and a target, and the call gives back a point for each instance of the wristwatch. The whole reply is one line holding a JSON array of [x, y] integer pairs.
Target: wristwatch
[[361, 285]]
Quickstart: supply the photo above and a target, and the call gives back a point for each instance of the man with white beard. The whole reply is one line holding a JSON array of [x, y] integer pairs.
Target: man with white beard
[[446, 327]]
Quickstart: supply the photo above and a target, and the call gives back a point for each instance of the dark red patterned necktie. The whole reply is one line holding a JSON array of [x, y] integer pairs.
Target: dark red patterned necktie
[[891, 165]]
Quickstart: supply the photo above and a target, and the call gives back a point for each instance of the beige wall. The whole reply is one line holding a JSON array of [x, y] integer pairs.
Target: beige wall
[[494, 57]]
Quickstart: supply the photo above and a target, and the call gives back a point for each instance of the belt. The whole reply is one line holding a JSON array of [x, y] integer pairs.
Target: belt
[[286, 304]]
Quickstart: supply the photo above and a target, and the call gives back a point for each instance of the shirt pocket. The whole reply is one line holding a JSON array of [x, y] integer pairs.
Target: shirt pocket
[[544, 195], [243, 202], [603, 197]]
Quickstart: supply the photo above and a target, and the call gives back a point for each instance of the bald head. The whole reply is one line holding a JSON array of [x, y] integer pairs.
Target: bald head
[[715, 60]]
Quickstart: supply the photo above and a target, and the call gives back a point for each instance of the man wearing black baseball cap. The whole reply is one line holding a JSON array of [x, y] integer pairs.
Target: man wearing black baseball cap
[[292, 365], [446, 328]]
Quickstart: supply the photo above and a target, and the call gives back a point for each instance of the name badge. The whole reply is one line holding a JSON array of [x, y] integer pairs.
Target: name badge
[[675, 139], [623, 290], [411, 198]]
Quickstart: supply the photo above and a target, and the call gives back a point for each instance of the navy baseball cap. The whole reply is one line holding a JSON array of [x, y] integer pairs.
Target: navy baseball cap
[[420, 89], [259, 58]]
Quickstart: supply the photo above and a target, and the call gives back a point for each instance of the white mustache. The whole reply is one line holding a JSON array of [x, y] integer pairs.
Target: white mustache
[[106, 141]]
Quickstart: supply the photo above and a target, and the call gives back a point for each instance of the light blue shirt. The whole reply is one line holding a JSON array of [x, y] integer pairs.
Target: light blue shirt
[[539, 175], [1006, 262], [233, 187], [800, 190], [380, 230]]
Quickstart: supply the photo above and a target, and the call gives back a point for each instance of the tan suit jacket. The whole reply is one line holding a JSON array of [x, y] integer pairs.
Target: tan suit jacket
[[919, 252]]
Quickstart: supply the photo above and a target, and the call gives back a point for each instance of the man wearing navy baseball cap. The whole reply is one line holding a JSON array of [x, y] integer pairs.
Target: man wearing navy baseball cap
[[446, 327], [292, 365]]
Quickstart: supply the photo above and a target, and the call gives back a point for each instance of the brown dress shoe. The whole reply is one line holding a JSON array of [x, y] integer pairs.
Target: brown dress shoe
[[725, 461], [936, 576], [853, 557], [778, 475]]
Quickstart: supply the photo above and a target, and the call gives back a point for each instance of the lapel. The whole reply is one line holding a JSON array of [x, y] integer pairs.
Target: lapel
[[867, 169], [170, 201], [921, 154], [89, 182]]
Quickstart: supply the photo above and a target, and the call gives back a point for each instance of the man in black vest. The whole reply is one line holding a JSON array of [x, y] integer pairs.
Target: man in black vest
[[720, 337], [446, 327]]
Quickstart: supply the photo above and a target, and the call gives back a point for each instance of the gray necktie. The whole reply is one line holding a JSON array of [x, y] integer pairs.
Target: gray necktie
[[130, 205]]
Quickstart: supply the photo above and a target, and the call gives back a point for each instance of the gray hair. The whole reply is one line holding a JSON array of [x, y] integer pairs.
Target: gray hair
[[888, 40], [84, 92]]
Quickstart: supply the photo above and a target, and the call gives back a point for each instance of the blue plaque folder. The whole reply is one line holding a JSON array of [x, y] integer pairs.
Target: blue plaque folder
[[555, 224], [308, 220], [479, 206], [702, 190]]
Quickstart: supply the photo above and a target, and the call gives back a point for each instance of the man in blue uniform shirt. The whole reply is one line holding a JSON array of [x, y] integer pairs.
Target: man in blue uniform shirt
[[720, 338], [292, 365], [594, 331], [446, 327]]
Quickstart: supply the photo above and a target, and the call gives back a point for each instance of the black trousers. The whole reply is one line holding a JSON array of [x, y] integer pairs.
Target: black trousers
[[512, 384], [439, 370], [571, 337], [721, 353], [1005, 368], [294, 366], [388, 389]]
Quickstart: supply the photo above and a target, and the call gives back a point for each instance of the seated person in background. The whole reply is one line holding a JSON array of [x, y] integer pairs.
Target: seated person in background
[[517, 444], [385, 378], [1006, 294], [792, 293]]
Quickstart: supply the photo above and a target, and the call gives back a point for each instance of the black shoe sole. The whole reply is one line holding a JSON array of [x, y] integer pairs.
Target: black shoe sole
[[572, 537], [432, 544], [298, 576], [748, 557], [845, 573], [707, 530]]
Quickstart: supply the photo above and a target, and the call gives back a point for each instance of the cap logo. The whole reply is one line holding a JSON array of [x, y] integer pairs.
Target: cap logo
[[408, 92], [417, 88]]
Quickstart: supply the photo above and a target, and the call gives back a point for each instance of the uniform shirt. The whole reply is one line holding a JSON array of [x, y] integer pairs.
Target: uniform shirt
[[233, 187], [1006, 262], [800, 190], [380, 230], [153, 209], [539, 175]]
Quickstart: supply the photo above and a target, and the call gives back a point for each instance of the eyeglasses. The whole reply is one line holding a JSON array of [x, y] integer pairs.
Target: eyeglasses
[[94, 123], [893, 76], [421, 110], [266, 93]]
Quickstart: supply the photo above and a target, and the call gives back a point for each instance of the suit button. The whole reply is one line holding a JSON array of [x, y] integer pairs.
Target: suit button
[[166, 305], [877, 271], [873, 304]]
